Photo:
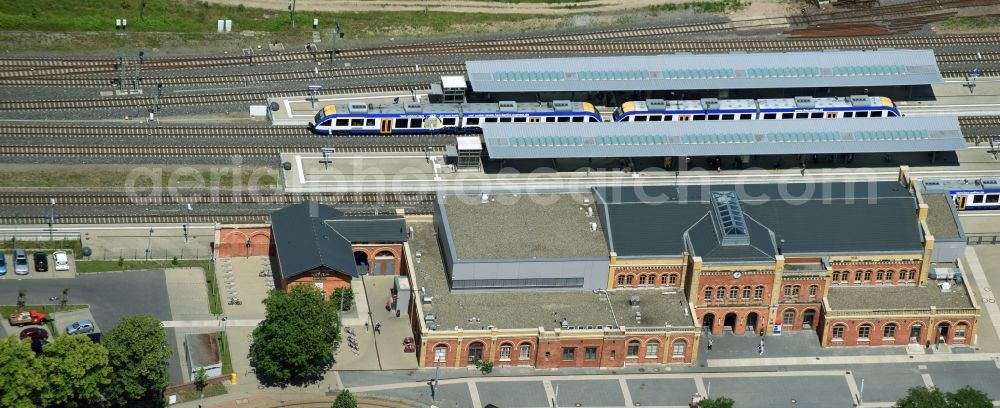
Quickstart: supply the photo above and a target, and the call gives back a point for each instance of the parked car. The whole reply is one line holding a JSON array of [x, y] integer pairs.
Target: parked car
[[62, 261], [3, 264], [24, 318], [20, 262], [80, 327], [34, 333], [37, 345], [41, 262]]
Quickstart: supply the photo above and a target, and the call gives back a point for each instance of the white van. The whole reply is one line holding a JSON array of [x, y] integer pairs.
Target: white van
[[62, 261]]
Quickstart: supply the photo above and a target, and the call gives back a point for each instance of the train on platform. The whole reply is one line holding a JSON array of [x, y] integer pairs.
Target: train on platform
[[969, 194], [415, 117]]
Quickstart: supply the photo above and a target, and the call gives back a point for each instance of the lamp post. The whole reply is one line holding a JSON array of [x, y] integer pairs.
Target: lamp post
[[326, 152], [291, 14], [149, 245], [51, 218], [187, 220], [333, 42], [437, 376]]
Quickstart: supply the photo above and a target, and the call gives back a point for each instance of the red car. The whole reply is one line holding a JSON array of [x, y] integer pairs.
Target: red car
[[34, 333]]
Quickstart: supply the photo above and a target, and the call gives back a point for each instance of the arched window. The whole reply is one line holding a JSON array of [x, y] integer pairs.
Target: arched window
[[889, 331], [746, 293], [505, 350], [838, 332], [642, 279], [812, 290], [879, 276], [680, 348], [836, 276], [788, 318], [475, 352], [857, 276], [734, 292], [440, 353], [524, 351], [633, 349], [720, 294], [889, 275], [385, 254], [708, 294], [960, 330], [868, 276], [795, 290], [652, 348], [621, 280], [673, 279], [628, 280], [663, 280], [788, 291], [913, 274], [864, 331], [758, 293]]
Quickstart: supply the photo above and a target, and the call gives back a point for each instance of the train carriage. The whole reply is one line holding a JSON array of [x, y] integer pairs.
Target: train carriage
[[803, 107]]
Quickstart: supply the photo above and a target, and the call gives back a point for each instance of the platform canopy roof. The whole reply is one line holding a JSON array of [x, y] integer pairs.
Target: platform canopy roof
[[722, 138], [807, 69]]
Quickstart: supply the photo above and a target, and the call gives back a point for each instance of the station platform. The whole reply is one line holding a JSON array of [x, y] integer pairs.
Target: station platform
[[956, 97], [419, 172], [299, 110]]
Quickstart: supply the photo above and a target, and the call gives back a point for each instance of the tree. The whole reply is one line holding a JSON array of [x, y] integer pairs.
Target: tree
[[348, 297], [968, 397], [75, 369], [345, 400], [19, 376], [139, 354], [297, 339], [922, 397], [484, 367], [22, 294], [720, 402], [199, 381]]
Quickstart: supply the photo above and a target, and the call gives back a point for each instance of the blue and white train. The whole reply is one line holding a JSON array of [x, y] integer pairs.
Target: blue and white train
[[802, 107], [968, 194], [409, 118]]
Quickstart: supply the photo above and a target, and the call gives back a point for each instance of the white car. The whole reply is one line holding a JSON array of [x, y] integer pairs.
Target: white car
[[62, 261]]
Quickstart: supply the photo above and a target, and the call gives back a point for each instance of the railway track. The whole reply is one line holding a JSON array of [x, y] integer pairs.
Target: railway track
[[249, 78], [143, 102], [979, 121], [132, 150], [201, 197]]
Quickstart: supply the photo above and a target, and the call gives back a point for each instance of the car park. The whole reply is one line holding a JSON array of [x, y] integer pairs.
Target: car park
[[41, 262], [61, 260], [20, 262], [34, 333], [3, 264], [80, 327]]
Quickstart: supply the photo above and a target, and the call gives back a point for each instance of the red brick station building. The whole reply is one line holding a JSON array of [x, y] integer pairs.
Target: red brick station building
[[614, 277]]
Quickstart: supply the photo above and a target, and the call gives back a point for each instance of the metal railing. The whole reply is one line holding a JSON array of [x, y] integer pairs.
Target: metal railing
[[983, 239]]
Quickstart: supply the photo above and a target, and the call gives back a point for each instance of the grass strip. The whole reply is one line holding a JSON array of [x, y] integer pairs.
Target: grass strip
[[227, 358]]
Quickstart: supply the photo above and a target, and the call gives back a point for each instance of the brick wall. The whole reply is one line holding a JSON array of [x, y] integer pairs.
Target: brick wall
[[876, 273], [331, 281], [648, 276], [386, 255], [852, 330], [232, 241]]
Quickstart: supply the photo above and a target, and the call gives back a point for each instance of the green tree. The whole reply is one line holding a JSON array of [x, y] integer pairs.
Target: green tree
[[348, 297], [922, 397], [297, 339], [345, 400], [75, 369], [139, 354], [968, 397], [199, 381], [19, 376], [720, 402]]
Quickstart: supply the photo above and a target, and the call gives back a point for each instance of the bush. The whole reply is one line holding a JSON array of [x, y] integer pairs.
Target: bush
[[346, 293]]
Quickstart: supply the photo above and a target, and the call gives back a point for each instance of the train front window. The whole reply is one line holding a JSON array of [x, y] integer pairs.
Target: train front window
[[326, 122], [977, 199], [891, 114], [319, 115], [342, 122]]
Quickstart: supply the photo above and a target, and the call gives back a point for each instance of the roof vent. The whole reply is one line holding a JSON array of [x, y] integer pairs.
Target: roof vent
[[593, 227], [991, 181], [561, 106], [485, 197], [564, 323], [945, 287], [508, 106], [931, 185], [413, 107], [860, 100], [710, 103], [805, 102], [357, 107], [656, 104]]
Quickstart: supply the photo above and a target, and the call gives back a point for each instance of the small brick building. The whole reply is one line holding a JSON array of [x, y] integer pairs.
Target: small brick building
[[317, 244]]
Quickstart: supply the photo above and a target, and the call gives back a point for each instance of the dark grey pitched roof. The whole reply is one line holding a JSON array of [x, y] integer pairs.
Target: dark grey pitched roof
[[391, 228], [303, 241], [819, 218]]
